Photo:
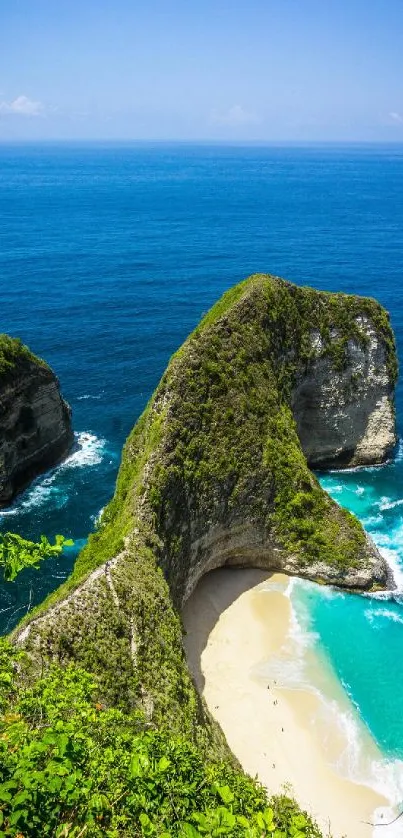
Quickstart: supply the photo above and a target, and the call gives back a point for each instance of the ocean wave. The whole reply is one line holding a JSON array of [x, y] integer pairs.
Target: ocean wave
[[393, 559], [88, 451], [372, 614], [288, 669], [335, 490], [298, 666], [387, 503], [360, 762], [301, 635], [387, 824], [97, 518], [371, 521], [89, 396], [399, 451], [360, 469], [390, 546], [38, 494], [359, 759]]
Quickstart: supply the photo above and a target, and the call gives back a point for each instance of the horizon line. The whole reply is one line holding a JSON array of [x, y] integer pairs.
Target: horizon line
[[196, 141]]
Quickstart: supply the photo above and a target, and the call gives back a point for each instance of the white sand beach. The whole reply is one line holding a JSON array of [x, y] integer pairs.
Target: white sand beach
[[269, 729]]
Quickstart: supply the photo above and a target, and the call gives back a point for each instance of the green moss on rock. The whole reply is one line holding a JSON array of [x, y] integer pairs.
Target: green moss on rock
[[218, 439], [15, 358], [213, 473]]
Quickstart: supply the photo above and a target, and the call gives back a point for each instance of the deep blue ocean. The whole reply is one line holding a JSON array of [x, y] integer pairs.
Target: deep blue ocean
[[109, 256]]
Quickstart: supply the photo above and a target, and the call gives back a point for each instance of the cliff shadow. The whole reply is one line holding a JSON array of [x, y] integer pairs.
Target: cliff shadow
[[215, 592]]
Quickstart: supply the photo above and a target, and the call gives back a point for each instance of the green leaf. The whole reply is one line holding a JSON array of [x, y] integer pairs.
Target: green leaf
[[225, 793], [186, 830], [164, 764], [299, 821]]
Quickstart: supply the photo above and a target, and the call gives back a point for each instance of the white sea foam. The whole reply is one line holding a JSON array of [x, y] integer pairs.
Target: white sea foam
[[290, 587], [359, 759], [373, 615], [359, 469], [389, 824], [360, 490], [288, 669], [336, 490], [88, 396], [398, 459], [97, 518], [88, 451], [372, 521], [390, 551], [358, 763], [386, 503], [40, 493]]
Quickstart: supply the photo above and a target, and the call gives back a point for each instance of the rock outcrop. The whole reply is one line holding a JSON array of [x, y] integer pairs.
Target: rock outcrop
[[35, 421], [345, 414], [214, 473]]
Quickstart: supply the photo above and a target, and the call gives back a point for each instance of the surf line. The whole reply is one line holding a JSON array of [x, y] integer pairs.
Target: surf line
[[388, 823]]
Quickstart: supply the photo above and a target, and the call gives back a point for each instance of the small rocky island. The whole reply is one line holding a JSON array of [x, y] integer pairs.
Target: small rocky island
[[216, 472], [35, 421]]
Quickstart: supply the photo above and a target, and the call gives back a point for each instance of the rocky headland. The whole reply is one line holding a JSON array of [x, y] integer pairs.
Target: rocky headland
[[35, 421], [216, 473]]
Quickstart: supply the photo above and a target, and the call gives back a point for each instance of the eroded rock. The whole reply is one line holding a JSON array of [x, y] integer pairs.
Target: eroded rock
[[215, 473], [35, 421], [346, 417]]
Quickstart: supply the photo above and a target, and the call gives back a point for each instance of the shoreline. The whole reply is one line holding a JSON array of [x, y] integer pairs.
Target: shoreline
[[236, 621]]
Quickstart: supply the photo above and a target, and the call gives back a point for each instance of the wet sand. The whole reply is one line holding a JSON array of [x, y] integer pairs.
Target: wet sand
[[233, 626]]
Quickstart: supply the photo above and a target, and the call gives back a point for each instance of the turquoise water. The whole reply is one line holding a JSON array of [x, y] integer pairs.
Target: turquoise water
[[363, 636], [110, 254], [359, 640]]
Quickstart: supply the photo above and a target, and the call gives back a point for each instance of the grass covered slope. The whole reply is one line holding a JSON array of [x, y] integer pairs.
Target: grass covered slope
[[16, 358], [213, 473]]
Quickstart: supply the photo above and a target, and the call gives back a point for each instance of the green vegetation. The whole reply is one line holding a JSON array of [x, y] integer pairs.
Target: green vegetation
[[220, 424], [16, 552], [70, 766], [230, 437], [103, 731], [15, 358]]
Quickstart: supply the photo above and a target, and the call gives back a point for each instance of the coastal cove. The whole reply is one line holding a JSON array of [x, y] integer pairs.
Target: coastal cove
[[278, 704], [108, 389]]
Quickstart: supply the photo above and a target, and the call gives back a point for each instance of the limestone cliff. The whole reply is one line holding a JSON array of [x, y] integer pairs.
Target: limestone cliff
[[35, 423], [344, 412], [214, 474]]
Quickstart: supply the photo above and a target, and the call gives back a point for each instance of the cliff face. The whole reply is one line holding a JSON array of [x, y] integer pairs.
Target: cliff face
[[345, 415], [35, 423], [214, 474], [280, 369]]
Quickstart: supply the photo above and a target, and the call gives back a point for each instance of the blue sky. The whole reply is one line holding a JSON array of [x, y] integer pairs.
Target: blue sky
[[268, 70]]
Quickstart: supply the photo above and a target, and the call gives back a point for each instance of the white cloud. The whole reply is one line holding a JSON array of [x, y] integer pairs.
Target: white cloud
[[22, 106], [236, 115], [396, 117]]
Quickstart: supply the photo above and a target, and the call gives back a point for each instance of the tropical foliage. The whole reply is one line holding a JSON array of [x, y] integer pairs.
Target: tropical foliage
[[17, 553], [71, 766]]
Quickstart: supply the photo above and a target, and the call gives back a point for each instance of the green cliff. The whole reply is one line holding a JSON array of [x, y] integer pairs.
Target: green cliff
[[215, 473], [35, 421], [15, 357]]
